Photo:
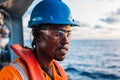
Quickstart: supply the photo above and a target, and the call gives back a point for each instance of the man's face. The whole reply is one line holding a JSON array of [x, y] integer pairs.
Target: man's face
[[55, 40]]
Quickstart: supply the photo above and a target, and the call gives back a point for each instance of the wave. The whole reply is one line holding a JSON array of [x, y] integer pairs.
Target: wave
[[90, 75]]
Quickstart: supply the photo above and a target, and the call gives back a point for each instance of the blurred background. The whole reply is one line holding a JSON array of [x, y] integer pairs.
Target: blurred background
[[94, 52]]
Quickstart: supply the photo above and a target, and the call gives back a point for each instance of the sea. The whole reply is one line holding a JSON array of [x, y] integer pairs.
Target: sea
[[93, 60]]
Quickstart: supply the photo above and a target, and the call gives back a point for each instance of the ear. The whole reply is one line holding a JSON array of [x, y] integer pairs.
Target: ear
[[39, 37]]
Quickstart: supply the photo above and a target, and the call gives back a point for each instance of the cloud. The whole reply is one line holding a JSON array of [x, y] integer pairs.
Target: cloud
[[97, 26], [118, 12], [112, 18], [108, 20]]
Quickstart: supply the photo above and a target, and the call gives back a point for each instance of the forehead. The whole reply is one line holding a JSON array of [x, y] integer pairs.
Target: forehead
[[54, 27]]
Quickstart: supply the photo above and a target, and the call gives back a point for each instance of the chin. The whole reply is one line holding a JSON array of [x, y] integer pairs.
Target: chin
[[60, 59]]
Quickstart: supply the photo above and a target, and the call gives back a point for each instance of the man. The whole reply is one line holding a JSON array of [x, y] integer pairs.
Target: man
[[4, 39], [51, 23], [4, 32]]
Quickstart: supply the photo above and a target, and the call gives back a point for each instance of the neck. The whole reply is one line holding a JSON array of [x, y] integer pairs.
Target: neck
[[45, 63], [44, 60]]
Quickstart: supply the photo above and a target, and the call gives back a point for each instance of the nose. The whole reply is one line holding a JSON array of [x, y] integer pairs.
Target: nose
[[65, 39]]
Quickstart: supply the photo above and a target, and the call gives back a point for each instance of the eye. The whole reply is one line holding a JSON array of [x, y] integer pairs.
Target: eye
[[60, 33], [68, 34]]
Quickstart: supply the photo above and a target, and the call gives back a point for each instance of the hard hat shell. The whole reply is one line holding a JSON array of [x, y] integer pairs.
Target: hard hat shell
[[51, 12]]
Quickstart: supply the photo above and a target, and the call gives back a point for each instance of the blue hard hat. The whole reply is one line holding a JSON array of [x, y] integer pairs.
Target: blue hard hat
[[51, 12]]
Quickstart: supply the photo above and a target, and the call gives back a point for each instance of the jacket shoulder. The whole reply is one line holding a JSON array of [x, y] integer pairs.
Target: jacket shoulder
[[9, 73]]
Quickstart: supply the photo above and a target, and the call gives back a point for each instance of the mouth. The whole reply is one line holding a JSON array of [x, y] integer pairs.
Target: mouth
[[63, 50]]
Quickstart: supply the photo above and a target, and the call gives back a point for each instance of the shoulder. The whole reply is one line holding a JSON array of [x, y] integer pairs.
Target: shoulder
[[11, 73]]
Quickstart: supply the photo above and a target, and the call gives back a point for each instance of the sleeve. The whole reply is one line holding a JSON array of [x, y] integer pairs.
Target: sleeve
[[9, 73]]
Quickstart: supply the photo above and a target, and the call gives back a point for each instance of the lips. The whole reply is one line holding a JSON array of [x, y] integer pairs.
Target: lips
[[63, 50]]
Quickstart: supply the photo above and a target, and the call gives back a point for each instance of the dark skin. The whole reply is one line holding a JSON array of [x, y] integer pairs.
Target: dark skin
[[48, 49]]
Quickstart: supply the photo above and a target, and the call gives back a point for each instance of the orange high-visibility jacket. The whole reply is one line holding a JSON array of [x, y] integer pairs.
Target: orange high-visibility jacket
[[31, 67]]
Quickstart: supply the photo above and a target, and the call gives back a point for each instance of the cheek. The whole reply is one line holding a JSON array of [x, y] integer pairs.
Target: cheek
[[47, 46], [42, 44], [55, 47], [52, 47]]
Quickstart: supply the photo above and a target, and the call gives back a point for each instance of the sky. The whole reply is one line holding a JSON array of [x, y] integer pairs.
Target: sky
[[99, 19]]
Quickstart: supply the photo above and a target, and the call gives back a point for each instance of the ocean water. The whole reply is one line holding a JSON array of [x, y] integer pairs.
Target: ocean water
[[93, 60]]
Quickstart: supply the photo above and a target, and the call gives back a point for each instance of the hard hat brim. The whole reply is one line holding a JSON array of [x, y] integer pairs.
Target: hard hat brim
[[69, 22]]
